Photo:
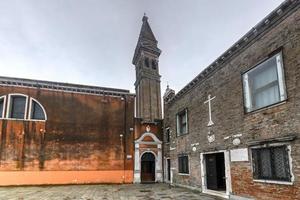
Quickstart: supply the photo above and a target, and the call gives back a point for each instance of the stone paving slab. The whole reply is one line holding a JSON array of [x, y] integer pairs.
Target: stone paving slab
[[102, 192]]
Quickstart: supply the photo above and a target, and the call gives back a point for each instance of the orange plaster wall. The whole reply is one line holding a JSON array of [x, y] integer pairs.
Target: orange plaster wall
[[64, 177]]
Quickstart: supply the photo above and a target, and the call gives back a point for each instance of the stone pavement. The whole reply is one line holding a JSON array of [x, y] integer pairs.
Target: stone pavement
[[104, 192]]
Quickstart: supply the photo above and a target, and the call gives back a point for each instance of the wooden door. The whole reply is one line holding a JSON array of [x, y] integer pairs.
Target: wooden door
[[211, 172], [148, 168], [168, 170]]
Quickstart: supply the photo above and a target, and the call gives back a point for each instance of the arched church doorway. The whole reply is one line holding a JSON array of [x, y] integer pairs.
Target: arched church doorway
[[148, 167]]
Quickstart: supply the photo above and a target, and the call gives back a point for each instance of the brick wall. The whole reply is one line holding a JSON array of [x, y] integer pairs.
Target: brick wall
[[230, 119]]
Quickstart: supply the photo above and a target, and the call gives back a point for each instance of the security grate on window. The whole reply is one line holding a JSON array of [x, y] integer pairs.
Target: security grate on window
[[271, 163]]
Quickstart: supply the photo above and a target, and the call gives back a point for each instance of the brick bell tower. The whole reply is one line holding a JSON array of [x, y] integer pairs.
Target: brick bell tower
[[147, 85], [148, 121]]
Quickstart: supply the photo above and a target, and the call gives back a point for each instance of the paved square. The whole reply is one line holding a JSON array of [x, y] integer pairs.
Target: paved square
[[104, 192]]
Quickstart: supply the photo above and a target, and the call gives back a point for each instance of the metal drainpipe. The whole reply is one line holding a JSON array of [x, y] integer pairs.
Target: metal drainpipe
[[124, 141]]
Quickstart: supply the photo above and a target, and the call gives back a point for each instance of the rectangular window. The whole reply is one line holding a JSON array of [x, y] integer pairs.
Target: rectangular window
[[264, 85], [271, 163], [167, 135], [182, 126], [183, 164], [17, 109]]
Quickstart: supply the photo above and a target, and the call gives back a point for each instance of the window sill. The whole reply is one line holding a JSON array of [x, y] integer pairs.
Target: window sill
[[183, 134], [16, 119], [274, 182], [266, 107], [36, 120], [183, 174]]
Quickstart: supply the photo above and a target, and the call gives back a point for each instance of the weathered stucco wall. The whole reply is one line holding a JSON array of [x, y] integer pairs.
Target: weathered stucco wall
[[84, 133]]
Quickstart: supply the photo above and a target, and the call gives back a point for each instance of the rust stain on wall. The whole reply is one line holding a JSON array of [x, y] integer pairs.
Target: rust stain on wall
[[83, 133]]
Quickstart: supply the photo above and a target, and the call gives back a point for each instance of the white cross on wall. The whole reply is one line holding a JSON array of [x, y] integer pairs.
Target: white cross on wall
[[209, 99]]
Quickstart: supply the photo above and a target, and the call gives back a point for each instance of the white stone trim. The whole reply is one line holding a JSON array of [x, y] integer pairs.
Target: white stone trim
[[166, 170], [158, 157], [281, 79], [30, 107], [156, 140], [227, 175]]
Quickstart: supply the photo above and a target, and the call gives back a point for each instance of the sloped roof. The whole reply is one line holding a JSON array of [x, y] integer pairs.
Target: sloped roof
[[146, 41], [64, 87]]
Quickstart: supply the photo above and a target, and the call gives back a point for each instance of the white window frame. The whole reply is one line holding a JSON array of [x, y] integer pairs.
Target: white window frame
[[288, 145], [4, 106], [281, 84], [30, 112], [178, 133], [8, 108]]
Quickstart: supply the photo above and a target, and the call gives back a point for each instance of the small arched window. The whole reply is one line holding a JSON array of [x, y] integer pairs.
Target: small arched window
[[37, 111]]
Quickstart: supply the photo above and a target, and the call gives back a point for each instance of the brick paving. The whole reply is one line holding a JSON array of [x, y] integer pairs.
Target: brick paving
[[103, 192]]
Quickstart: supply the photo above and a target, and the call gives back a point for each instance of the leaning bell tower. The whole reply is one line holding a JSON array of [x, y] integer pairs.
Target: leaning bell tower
[[147, 85], [148, 121]]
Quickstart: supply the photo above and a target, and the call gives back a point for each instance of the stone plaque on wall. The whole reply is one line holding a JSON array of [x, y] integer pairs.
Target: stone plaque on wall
[[238, 155]]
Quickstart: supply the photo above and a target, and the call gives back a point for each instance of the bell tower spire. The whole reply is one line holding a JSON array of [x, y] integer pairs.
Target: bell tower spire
[[147, 85]]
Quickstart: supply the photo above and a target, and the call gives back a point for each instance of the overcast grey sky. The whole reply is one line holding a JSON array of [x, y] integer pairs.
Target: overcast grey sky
[[92, 41]]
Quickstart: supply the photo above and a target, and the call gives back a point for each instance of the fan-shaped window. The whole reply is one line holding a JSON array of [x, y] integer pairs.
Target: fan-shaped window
[[37, 111], [17, 107]]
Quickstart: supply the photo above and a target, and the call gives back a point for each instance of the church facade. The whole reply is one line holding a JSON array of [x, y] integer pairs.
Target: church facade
[[234, 130]]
